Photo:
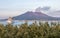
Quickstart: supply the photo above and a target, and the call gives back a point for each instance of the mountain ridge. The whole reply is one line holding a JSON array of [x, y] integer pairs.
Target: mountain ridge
[[29, 15]]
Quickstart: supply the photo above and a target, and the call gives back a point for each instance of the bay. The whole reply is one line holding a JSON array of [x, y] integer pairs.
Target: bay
[[17, 22]]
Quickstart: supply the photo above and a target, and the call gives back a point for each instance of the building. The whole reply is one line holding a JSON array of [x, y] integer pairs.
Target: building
[[10, 20]]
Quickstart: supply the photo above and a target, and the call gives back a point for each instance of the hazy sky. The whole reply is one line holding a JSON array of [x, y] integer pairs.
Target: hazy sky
[[17, 7]]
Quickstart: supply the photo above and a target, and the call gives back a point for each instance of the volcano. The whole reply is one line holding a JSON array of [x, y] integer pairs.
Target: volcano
[[29, 15]]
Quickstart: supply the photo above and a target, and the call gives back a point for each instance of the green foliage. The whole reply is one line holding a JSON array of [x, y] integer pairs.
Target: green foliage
[[43, 30]]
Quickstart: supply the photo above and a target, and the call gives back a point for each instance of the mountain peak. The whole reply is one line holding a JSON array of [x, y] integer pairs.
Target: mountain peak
[[37, 15], [29, 15]]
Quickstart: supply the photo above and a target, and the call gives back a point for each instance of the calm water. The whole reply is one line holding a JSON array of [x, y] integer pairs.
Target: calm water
[[15, 22]]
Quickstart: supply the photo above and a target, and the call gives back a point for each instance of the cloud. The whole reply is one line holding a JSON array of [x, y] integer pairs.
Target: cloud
[[49, 11], [46, 8], [39, 9], [54, 13]]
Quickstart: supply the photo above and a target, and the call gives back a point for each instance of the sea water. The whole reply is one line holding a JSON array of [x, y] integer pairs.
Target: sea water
[[16, 22]]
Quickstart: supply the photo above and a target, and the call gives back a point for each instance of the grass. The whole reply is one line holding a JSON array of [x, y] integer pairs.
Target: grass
[[43, 30]]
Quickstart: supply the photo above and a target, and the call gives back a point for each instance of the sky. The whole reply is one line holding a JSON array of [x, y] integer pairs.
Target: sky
[[18, 7]]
